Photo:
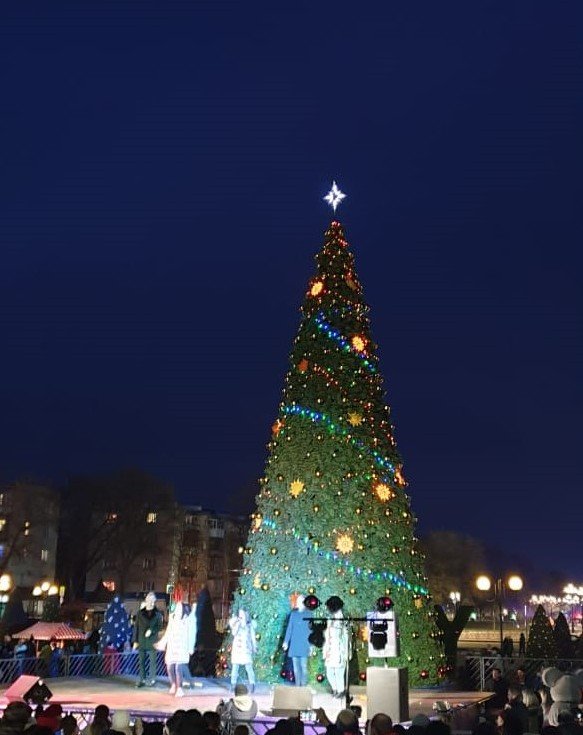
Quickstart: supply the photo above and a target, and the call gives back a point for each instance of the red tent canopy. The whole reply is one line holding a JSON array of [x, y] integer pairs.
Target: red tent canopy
[[45, 631]]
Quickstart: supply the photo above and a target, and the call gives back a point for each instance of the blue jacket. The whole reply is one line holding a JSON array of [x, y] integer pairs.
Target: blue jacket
[[296, 635]]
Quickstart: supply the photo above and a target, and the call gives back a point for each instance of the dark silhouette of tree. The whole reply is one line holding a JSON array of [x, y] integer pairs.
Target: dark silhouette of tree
[[562, 636], [207, 638], [452, 629], [452, 563]]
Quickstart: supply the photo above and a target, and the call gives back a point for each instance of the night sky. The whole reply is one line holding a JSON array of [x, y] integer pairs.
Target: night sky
[[161, 182]]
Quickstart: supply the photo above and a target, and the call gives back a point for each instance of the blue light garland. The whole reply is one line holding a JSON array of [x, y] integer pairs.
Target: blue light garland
[[323, 418], [395, 579], [334, 334]]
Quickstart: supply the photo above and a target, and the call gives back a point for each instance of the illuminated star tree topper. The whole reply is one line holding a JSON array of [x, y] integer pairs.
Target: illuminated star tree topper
[[334, 196]]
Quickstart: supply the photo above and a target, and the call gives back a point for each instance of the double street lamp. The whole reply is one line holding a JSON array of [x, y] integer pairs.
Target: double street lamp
[[45, 589], [513, 582]]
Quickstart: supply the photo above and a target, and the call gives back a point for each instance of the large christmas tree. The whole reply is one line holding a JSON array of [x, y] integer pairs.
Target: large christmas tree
[[332, 515]]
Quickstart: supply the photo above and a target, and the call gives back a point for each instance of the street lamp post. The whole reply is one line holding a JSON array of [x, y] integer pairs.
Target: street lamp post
[[42, 591], [498, 586], [574, 596]]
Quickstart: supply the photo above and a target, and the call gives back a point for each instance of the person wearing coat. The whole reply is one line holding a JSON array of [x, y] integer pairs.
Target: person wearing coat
[[335, 649], [178, 641], [296, 642], [244, 647], [148, 625]]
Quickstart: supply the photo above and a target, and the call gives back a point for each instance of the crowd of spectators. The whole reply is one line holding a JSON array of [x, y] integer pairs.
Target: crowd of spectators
[[521, 704], [516, 708]]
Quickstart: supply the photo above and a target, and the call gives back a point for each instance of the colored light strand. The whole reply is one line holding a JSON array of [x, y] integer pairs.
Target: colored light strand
[[395, 579], [321, 418], [327, 329]]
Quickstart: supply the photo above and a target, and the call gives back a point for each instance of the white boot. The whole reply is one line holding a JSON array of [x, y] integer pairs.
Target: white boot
[[172, 689], [180, 692]]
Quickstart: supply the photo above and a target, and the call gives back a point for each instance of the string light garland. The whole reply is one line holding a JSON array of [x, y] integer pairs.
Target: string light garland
[[327, 329], [319, 417], [333, 556]]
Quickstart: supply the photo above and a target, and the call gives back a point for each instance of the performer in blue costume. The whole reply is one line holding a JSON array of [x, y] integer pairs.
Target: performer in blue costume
[[296, 642]]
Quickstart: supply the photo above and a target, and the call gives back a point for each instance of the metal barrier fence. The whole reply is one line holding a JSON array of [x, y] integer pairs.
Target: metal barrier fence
[[479, 668], [81, 664]]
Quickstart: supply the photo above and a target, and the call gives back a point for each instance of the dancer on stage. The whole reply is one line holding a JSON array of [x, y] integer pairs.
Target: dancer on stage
[[148, 626], [296, 641], [335, 650], [244, 647], [178, 641]]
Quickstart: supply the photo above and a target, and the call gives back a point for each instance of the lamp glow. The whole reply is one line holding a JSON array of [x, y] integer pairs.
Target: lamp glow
[[483, 583], [514, 583], [37, 591], [45, 586], [5, 582]]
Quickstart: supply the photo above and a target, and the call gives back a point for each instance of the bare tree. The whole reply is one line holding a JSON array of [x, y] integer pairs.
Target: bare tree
[[114, 519], [452, 562], [27, 510]]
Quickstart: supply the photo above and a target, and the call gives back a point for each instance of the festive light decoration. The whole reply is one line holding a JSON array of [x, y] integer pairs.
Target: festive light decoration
[[318, 417], [344, 543], [334, 196], [296, 487], [358, 343], [383, 491], [317, 288], [335, 518], [399, 477], [324, 326], [277, 427]]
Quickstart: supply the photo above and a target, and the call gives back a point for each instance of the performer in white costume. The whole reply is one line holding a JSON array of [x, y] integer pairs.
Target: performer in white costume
[[178, 641], [244, 647], [335, 649]]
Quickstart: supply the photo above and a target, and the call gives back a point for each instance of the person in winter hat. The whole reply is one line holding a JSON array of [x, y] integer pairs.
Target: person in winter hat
[[242, 708], [120, 722]]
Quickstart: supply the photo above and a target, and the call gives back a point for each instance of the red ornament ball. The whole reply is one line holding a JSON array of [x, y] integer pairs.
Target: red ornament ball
[[283, 675], [320, 678], [362, 676], [424, 674]]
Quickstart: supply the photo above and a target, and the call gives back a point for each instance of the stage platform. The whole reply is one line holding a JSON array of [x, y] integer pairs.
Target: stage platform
[[81, 695]]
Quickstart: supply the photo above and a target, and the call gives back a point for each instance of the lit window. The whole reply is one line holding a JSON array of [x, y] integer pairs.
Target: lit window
[[151, 517], [109, 584], [110, 517], [44, 555], [27, 528], [2, 523], [1, 499], [149, 562], [147, 586]]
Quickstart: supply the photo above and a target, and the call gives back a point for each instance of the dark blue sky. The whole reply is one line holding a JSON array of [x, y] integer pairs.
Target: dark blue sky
[[161, 182]]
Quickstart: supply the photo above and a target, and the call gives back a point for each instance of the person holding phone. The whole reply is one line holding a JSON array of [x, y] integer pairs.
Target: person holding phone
[[244, 647]]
